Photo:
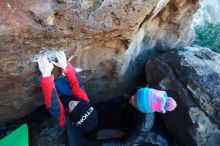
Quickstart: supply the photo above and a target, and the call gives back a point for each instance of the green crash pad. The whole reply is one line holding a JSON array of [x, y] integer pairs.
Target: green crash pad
[[18, 137]]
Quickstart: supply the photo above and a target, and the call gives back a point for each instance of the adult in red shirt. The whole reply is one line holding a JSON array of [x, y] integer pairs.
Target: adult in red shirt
[[75, 106]]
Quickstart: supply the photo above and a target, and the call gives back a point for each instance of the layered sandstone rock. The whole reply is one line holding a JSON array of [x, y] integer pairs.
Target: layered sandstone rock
[[192, 77], [110, 40]]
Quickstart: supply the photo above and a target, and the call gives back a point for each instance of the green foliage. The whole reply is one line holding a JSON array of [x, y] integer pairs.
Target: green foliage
[[208, 35]]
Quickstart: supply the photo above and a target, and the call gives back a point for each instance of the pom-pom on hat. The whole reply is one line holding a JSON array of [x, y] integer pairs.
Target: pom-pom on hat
[[171, 104]]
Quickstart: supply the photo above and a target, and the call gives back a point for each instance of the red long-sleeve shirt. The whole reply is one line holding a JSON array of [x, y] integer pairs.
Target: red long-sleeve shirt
[[51, 98]]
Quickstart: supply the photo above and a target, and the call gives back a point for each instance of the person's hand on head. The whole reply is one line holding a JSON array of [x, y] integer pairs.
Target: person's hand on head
[[62, 61], [45, 66]]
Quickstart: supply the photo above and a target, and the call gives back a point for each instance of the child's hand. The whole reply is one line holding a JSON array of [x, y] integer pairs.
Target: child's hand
[[62, 61], [45, 66]]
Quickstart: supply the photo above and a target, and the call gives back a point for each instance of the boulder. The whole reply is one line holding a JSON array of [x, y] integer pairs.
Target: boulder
[[105, 38], [192, 77]]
